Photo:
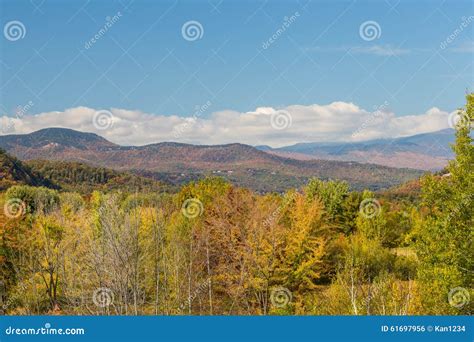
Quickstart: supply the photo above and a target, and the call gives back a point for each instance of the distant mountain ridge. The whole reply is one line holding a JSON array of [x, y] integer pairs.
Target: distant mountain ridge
[[428, 151], [64, 136], [242, 164]]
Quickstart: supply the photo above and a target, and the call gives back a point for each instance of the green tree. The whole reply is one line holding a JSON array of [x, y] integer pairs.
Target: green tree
[[331, 194], [445, 229]]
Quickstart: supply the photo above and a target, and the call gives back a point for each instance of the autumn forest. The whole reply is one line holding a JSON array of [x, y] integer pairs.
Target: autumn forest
[[214, 248]]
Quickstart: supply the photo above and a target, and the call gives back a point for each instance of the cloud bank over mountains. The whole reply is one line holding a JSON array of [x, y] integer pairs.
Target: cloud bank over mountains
[[334, 122]]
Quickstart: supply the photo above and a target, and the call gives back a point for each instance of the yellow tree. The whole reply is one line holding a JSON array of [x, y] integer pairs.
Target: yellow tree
[[302, 248]]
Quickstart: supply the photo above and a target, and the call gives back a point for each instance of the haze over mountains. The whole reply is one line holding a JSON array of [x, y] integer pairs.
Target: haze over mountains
[[429, 151], [178, 163]]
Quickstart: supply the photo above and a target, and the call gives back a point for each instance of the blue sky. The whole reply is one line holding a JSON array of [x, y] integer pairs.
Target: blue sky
[[143, 63]]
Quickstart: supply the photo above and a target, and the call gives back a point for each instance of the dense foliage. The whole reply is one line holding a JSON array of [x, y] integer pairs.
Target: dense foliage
[[82, 178], [13, 171], [214, 248]]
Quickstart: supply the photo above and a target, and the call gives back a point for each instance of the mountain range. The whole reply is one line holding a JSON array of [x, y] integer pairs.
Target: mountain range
[[178, 163], [429, 151]]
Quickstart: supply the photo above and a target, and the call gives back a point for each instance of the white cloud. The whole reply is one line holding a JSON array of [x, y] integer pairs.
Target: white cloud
[[381, 50], [337, 121], [378, 50]]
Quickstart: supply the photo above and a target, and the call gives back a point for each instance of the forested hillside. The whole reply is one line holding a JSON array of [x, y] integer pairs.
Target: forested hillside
[[13, 172], [214, 248], [82, 178]]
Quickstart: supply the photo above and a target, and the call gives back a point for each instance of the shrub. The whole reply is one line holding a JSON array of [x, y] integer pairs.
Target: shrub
[[36, 199]]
